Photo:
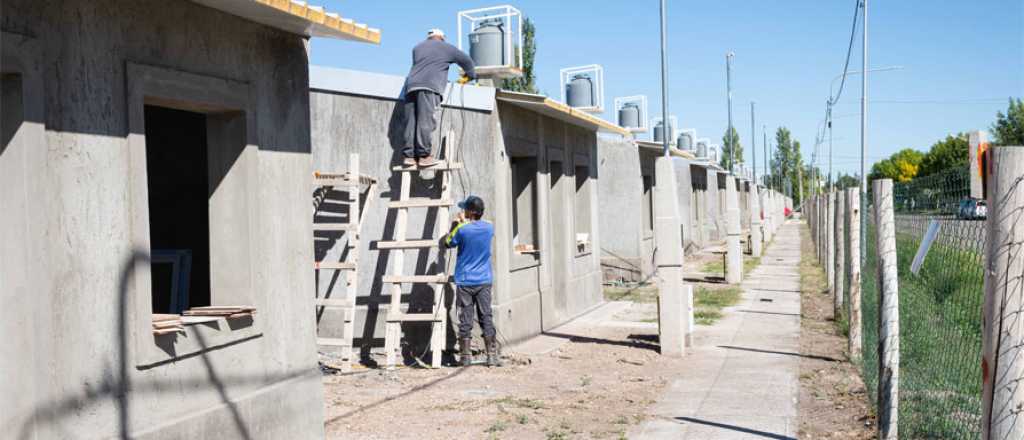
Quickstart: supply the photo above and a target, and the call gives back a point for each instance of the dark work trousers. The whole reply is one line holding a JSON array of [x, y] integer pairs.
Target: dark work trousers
[[419, 109], [470, 299]]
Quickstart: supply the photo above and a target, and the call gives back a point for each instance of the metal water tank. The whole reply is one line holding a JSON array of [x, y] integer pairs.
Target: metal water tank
[[659, 132], [702, 149], [580, 91], [487, 44], [685, 141], [629, 115]]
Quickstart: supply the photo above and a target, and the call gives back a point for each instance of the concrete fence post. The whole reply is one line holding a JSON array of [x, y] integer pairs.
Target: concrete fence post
[[673, 303], [1003, 332], [733, 252], [830, 242], [888, 313], [755, 222], [853, 274], [822, 236], [840, 242]]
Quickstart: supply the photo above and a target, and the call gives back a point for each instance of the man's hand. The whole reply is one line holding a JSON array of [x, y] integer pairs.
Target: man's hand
[[464, 79]]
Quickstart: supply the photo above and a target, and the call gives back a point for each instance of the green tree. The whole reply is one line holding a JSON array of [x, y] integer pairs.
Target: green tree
[[847, 181], [1009, 128], [786, 165], [527, 82], [902, 166], [945, 154], [738, 157]]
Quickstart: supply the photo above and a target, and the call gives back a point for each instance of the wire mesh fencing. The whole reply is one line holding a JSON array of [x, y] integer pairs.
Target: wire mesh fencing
[[940, 307]]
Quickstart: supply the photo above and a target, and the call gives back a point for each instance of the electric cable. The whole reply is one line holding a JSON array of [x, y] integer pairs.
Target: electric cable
[[849, 51]]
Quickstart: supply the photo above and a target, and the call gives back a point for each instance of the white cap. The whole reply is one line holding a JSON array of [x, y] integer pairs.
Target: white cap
[[435, 32]]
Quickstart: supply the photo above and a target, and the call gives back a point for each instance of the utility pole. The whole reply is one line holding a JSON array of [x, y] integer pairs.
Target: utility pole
[[767, 159], [753, 142], [863, 128], [728, 87], [664, 86], [828, 120]]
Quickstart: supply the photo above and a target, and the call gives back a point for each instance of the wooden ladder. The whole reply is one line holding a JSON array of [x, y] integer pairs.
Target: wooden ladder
[[439, 279], [351, 183]]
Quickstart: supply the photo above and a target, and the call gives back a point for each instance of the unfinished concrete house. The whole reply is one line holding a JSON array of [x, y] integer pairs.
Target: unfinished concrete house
[[155, 159], [532, 160], [627, 205]]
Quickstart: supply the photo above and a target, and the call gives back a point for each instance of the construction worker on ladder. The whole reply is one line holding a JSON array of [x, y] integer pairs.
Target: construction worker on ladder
[[423, 91], [473, 277]]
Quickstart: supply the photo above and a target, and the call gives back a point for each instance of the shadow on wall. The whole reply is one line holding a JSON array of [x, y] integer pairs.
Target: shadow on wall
[[420, 299], [116, 384]]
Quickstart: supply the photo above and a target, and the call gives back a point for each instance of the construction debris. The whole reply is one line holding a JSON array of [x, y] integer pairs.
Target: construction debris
[[164, 324], [230, 312]]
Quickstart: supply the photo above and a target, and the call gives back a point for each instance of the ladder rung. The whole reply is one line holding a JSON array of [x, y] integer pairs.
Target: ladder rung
[[333, 226], [338, 265], [407, 244], [334, 182], [337, 342], [442, 165], [414, 317], [419, 203], [331, 302], [422, 279]]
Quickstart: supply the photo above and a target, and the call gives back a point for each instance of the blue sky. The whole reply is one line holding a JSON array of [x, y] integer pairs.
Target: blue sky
[[961, 61]]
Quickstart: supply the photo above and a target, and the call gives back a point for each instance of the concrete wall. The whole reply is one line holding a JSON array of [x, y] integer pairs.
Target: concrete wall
[[685, 195], [620, 197], [532, 292], [78, 354]]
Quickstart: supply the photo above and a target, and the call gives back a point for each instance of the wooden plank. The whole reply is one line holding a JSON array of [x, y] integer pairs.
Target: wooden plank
[[418, 279], [335, 182], [159, 317], [414, 317], [334, 227], [336, 265], [407, 244], [442, 165], [189, 320], [420, 202]]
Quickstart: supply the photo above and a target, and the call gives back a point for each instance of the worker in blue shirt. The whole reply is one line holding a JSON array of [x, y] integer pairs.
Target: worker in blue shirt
[[473, 277]]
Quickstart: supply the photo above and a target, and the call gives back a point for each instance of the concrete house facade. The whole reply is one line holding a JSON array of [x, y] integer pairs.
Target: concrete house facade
[[129, 136], [532, 160]]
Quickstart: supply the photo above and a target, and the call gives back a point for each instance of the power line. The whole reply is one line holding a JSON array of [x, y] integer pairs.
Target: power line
[[849, 51]]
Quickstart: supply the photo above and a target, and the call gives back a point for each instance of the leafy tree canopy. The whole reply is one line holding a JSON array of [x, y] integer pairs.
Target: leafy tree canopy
[[900, 167], [527, 82], [950, 152], [1009, 128], [738, 156]]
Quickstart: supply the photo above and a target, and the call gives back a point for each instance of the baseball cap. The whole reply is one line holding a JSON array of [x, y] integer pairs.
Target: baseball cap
[[435, 31], [472, 203]]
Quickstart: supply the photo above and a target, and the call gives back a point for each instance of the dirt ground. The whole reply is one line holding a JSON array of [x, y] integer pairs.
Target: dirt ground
[[596, 386], [833, 400]]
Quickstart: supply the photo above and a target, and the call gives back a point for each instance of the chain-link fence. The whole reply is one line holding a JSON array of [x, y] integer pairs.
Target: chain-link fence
[[940, 307]]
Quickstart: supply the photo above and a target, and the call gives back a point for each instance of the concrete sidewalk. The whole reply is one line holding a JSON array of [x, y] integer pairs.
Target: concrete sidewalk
[[740, 378]]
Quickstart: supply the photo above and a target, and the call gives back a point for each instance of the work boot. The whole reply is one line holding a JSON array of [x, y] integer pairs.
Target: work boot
[[491, 346], [409, 161], [428, 161], [465, 352]]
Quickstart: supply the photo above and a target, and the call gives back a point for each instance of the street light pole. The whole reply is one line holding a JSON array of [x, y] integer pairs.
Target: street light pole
[[664, 86], [728, 86], [767, 159], [753, 141], [864, 132]]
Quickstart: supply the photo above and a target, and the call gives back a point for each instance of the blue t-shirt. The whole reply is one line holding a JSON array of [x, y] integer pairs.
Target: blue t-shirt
[[473, 239]]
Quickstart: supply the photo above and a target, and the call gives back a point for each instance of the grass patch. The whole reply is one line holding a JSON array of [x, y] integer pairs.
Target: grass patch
[[497, 426], [708, 303], [520, 403], [641, 293], [750, 263], [717, 266]]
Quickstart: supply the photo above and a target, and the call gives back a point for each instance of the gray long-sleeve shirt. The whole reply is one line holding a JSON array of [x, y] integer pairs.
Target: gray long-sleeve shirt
[[430, 61]]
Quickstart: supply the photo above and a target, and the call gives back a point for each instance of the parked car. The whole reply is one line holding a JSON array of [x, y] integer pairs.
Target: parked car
[[972, 209]]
